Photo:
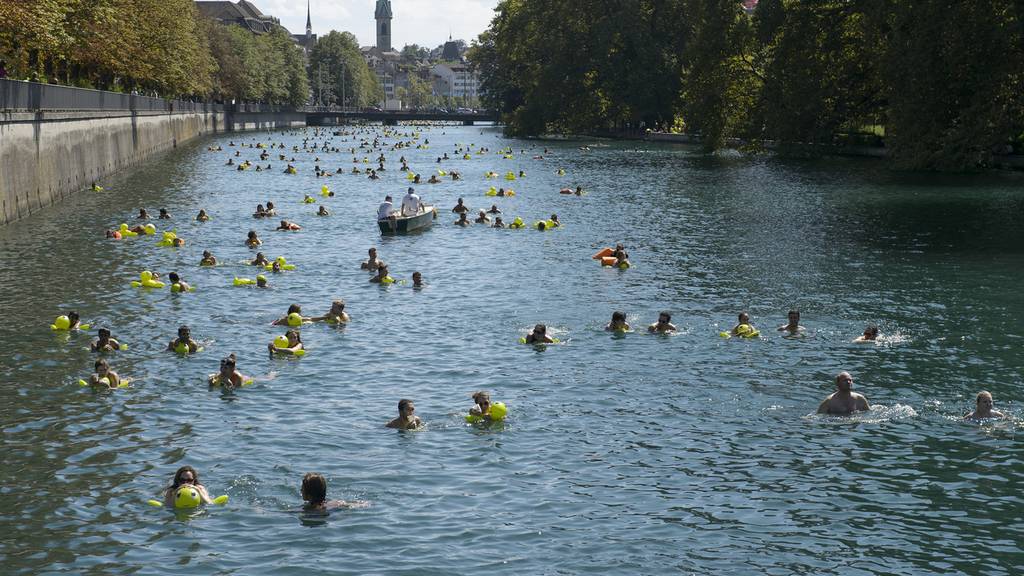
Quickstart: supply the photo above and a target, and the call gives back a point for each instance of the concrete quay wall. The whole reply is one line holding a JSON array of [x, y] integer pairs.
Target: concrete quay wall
[[46, 156]]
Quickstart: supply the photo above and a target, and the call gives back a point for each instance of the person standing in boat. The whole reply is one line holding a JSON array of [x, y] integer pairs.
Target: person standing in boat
[[411, 203], [386, 209]]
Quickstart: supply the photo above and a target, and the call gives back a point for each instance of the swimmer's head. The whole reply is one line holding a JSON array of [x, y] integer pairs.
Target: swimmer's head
[[387, 198], [984, 398], [101, 367], [163, 212], [338, 306], [295, 309], [372, 252], [618, 317], [227, 364], [554, 217], [314, 488], [72, 318], [482, 398], [497, 220], [186, 475], [103, 334], [871, 332], [460, 202], [270, 205], [173, 277], [405, 408], [293, 337], [744, 318], [261, 281], [207, 254], [275, 267], [793, 316], [252, 234], [540, 329], [844, 382], [541, 225], [417, 278], [664, 317]]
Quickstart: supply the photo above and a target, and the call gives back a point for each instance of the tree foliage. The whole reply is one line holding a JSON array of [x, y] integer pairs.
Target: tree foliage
[[148, 45], [942, 79], [346, 78]]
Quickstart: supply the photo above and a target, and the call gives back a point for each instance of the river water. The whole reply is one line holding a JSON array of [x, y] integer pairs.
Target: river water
[[622, 454]]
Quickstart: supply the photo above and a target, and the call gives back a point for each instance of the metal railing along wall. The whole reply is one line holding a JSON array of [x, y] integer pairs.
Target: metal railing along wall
[[17, 95]]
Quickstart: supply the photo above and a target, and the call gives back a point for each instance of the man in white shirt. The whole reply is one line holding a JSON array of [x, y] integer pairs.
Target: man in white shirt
[[411, 204], [385, 210]]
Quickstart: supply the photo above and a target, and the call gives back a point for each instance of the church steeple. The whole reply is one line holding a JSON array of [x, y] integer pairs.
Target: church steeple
[[309, 23], [383, 16]]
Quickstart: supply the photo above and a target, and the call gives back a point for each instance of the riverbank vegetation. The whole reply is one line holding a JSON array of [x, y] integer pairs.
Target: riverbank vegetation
[[942, 81], [339, 73], [149, 46]]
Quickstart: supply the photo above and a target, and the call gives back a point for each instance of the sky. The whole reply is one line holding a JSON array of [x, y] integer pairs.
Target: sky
[[423, 22]]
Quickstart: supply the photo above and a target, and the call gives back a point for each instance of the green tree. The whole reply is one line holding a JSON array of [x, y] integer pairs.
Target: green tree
[[345, 70]]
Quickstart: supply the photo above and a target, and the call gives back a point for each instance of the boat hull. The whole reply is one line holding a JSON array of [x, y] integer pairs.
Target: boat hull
[[408, 224]]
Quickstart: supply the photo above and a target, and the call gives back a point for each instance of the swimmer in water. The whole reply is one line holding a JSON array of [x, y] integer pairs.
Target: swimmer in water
[[483, 404], [252, 241], [482, 218], [208, 259], [460, 207], [664, 324], [270, 209], [104, 342], [175, 279], [382, 274], [228, 376], [372, 263], [103, 372], [554, 221], [260, 212], [202, 216], [286, 225], [294, 344], [494, 209], [323, 211], [793, 323], [870, 335], [164, 215], [336, 314], [406, 419], [260, 260], [498, 223], [293, 309], [261, 281], [314, 493], [185, 476], [275, 267], [539, 335], [983, 408], [417, 280], [178, 242], [74, 321], [143, 215], [462, 221], [622, 261], [618, 323], [743, 320], [844, 401], [184, 339]]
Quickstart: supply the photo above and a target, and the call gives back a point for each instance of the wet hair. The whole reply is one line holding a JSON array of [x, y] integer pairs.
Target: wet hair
[[295, 309], [270, 205], [741, 316], [101, 362], [540, 329], [177, 477], [298, 337], [252, 234], [403, 404], [871, 329], [554, 217], [481, 396], [982, 394], [73, 317], [207, 254], [173, 277], [618, 316], [103, 332], [417, 273], [314, 488], [666, 314], [229, 360], [184, 328]]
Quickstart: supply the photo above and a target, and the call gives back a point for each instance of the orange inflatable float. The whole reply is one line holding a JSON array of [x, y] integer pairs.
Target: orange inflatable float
[[604, 253], [608, 261]]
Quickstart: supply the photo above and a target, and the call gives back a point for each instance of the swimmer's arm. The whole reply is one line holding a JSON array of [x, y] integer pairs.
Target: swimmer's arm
[[193, 346], [114, 343], [169, 498], [113, 378], [862, 404], [170, 345], [823, 408]]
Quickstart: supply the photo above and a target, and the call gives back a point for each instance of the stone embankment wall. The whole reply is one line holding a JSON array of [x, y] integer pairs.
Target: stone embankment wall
[[48, 154]]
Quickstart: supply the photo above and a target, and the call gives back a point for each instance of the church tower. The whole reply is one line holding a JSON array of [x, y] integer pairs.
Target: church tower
[[383, 16], [309, 28]]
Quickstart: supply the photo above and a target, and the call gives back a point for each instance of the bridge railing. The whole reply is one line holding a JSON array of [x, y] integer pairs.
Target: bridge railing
[[22, 96]]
